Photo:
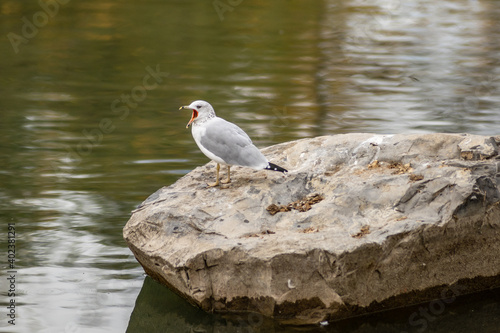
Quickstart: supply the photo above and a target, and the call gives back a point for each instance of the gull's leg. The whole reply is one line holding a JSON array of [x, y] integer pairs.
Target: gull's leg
[[217, 177], [228, 176]]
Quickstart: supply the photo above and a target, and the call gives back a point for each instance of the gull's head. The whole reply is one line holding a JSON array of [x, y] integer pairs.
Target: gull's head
[[201, 110]]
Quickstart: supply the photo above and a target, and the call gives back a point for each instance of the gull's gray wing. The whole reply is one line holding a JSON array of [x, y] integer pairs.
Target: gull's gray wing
[[230, 143]]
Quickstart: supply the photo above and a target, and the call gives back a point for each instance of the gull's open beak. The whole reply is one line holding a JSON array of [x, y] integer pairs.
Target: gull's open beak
[[193, 117]]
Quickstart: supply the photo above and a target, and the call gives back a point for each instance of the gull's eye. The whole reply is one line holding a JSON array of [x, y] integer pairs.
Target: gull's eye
[[198, 106]]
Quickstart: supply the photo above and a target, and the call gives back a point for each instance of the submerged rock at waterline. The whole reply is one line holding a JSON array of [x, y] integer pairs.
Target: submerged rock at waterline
[[361, 223]]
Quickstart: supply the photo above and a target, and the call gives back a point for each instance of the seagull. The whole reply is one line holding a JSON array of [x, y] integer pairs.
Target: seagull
[[224, 142]]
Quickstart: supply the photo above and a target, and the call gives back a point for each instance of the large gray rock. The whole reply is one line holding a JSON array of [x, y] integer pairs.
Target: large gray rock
[[378, 221]]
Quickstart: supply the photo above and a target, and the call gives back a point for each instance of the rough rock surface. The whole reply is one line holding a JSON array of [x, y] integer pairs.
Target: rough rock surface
[[361, 223]]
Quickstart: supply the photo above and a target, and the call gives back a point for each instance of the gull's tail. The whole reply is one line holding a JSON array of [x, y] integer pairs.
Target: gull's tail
[[274, 167]]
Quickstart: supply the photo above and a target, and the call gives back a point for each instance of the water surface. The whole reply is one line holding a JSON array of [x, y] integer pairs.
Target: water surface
[[89, 123]]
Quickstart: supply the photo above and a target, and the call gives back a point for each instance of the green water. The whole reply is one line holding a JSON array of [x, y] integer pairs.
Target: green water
[[89, 126]]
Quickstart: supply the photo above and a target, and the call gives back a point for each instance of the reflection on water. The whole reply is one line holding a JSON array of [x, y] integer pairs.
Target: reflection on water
[[73, 275], [412, 66], [88, 131], [159, 309]]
